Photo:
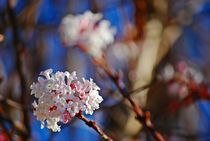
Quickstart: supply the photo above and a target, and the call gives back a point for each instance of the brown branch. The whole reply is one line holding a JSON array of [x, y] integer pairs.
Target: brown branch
[[18, 130], [10, 102], [143, 117], [121, 101], [137, 90], [19, 49], [93, 125], [14, 104]]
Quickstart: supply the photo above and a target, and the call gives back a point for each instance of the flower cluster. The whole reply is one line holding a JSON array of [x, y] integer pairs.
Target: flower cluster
[[59, 96], [88, 30], [180, 76]]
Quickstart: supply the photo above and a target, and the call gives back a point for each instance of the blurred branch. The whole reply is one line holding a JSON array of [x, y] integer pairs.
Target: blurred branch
[[137, 90], [93, 125], [16, 128], [141, 15], [13, 103], [28, 16], [10, 102], [1, 38], [19, 50]]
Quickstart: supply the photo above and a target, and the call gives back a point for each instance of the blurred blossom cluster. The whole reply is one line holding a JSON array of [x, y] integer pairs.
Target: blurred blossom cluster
[[180, 76], [60, 96], [87, 30]]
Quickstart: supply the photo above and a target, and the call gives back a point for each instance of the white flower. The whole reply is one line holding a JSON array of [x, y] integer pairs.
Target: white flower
[[168, 72], [61, 95], [88, 30], [184, 72]]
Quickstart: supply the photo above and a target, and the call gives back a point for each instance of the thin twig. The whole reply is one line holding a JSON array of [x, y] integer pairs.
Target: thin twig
[[10, 102], [14, 104], [93, 125], [137, 90], [122, 100]]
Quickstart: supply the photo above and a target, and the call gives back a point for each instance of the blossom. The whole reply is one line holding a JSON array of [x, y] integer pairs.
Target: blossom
[[88, 30], [182, 70], [179, 77], [61, 95]]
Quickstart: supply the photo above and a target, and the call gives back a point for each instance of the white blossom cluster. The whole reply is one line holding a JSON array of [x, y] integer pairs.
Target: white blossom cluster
[[184, 73], [88, 30], [59, 96]]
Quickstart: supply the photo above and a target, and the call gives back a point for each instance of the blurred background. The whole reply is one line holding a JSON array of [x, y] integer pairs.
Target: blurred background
[[150, 35]]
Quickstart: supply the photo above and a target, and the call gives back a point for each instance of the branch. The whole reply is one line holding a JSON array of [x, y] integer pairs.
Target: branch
[[14, 104], [137, 90], [143, 117], [93, 125], [18, 130], [19, 64], [11, 102]]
